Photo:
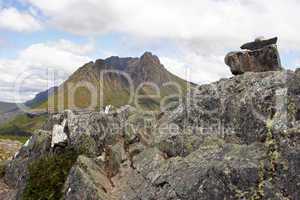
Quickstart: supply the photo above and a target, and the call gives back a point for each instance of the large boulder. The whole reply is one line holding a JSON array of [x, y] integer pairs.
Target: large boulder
[[263, 57]]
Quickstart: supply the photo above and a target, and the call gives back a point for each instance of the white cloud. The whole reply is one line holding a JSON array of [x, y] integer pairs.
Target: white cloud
[[35, 63], [203, 31], [297, 63], [69, 46], [197, 68], [14, 20], [54, 55], [221, 23]]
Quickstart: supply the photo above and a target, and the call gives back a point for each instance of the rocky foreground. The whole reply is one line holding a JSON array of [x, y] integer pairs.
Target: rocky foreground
[[8, 148], [237, 138]]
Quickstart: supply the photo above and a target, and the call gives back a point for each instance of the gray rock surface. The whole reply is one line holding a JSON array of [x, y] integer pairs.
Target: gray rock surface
[[237, 138], [87, 181], [17, 170]]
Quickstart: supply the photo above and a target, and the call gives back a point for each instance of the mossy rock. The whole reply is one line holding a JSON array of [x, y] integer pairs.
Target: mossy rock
[[86, 145]]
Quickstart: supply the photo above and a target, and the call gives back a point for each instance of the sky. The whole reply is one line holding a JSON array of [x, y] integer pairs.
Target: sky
[[45, 38]]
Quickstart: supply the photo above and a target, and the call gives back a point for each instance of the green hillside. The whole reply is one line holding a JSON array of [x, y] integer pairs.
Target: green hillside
[[21, 126]]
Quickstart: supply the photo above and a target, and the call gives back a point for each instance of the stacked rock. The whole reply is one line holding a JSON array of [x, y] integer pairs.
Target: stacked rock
[[258, 56]]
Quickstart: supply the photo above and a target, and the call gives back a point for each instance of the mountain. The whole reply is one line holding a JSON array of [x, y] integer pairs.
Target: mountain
[[7, 112], [6, 107], [14, 122], [41, 97], [115, 89]]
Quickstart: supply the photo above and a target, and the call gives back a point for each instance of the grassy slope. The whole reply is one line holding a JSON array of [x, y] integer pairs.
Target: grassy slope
[[115, 95], [22, 126], [21, 139]]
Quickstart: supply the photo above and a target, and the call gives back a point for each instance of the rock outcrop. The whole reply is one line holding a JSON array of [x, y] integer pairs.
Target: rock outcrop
[[260, 56]]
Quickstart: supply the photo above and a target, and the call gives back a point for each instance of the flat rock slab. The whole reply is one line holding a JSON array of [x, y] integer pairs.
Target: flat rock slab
[[258, 44]]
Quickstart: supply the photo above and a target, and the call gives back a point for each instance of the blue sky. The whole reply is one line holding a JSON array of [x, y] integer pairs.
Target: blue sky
[[37, 35]]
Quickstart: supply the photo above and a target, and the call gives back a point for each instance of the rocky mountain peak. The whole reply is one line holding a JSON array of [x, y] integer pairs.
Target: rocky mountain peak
[[149, 58], [117, 62], [126, 63]]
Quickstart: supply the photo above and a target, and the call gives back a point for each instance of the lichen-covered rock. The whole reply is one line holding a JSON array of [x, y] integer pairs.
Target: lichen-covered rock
[[237, 138], [17, 173], [89, 132], [240, 107], [259, 60], [87, 180], [208, 173], [114, 156], [176, 143]]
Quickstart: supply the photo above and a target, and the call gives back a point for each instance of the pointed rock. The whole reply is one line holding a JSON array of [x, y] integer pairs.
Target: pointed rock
[[149, 58]]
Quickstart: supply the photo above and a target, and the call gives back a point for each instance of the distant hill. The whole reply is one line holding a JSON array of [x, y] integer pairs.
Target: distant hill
[[14, 122], [41, 97], [22, 125], [6, 107], [115, 88]]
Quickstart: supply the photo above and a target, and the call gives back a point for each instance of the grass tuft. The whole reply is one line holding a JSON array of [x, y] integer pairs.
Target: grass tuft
[[47, 176]]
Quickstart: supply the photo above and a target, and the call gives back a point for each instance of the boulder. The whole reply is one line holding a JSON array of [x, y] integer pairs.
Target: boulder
[[258, 56], [260, 60]]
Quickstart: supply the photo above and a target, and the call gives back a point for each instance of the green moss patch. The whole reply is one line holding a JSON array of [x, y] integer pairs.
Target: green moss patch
[[47, 176]]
